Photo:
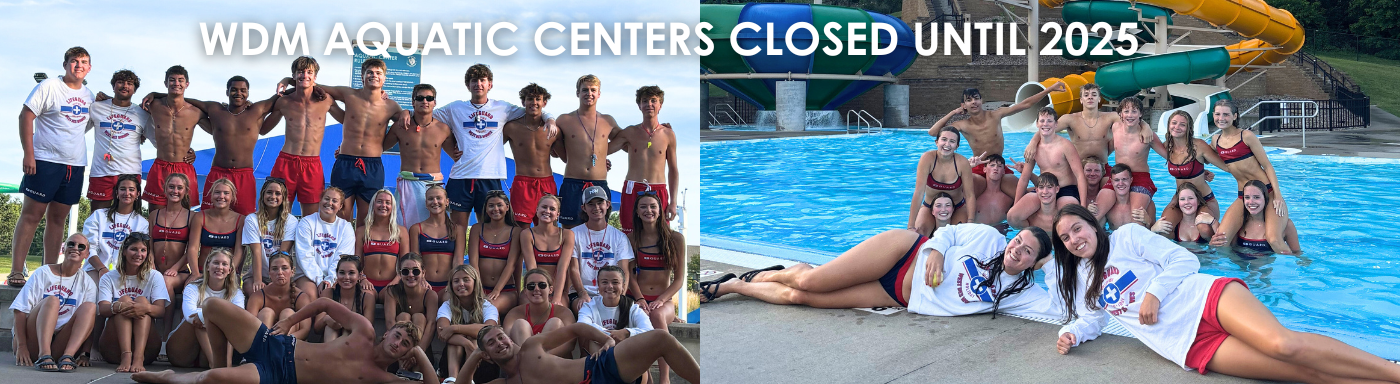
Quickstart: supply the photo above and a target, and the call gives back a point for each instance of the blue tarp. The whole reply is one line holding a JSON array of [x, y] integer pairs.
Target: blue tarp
[[267, 149]]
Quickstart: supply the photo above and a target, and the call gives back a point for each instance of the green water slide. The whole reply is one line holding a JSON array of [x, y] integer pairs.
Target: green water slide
[[1126, 77]]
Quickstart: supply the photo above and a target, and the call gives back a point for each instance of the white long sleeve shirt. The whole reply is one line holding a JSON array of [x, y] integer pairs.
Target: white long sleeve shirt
[[963, 246], [319, 245], [605, 318], [107, 236], [1141, 262]]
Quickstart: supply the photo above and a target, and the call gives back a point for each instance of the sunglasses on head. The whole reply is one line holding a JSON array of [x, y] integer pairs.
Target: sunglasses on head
[[411, 271], [534, 286], [74, 244], [649, 192], [424, 98], [139, 236]]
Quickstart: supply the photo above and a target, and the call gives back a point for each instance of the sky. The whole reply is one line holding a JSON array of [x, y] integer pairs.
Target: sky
[[147, 39]]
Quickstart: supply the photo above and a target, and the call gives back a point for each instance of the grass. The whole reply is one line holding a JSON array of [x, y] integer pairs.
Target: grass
[[1376, 76], [5, 260]]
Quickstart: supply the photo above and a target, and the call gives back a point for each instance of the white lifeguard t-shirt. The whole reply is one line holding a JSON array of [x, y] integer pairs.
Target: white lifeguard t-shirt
[[113, 286], [119, 135], [253, 234], [479, 137], [72, 291], [61, 121], [107, 236], [488, 311], [965, 247], [595, 249]]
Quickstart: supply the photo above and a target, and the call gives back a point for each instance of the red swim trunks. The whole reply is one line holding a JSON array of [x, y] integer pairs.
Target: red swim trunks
[[1142, 183], [100, 187], [303, 176], [630, 191], [155, 182], [1209, 335], [981, 169], [525, 194], [245, 197]]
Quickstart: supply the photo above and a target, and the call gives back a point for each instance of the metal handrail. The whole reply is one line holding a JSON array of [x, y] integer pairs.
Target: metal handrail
[[736, 113], [1283, 106], [716, 120], [859, 119], [881, 125]]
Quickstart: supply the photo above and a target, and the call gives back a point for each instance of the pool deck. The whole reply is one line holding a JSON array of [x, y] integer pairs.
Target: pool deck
[[721, 135], [757, 342]]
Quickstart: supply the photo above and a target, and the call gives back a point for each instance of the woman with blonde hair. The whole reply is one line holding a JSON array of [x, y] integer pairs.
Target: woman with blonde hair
[[189, 344], [218, 226], [464, 312], [438, 240], [272, 228], [132, 295], [550, 248], [380, 241]]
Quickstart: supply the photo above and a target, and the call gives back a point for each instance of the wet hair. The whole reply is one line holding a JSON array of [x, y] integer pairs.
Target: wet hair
[[1047, 179], [650, 91], [1190, 134], [233, 197], [230, 282], [510, 213], [393, 215], [1047, 111], [373, 63], [177, 70], [466, 310], [265, 215], [229, 84], [993, 158], [135, 203], [971, 93], [954, 130], [479, 71], [587, 79], [145, 268], [1133, 101], [1234, 109], [184, 201], [1119, 168], [997, 265], [421, 87], [75, 52], [1262, 188], [1068, 263], [410, 330], [1188, 186], [532, 90], [126, 75], [666, 239], [305, 62]]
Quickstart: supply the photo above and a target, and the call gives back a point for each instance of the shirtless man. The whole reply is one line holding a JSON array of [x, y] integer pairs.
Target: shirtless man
[[480, 165], [1090, 130], [651, 157], [982, 130], [1119, 212], [173, 120], [585, 145], [305, 108], [420, 138], [619, 362], [1094, 168], [530, 143], [271, 356], [1132, 138], [358, 169], [51, 127], [993, 204], [1047, 186], [1055, 155]]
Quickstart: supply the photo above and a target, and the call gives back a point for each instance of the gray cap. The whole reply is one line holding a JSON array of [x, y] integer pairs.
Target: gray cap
[[595, 192]]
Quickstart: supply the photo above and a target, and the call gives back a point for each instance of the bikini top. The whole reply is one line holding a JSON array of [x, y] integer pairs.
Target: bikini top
[[650, 261], [359, 305], [1237, 152], [935, 184], [491, 250], [1188, 170], [292, 304], [1260, 245], [434, 245], [382, 247], [209, 239], [536, 329], [402, 295], [1176, 235], [547, 257], [161, 233]]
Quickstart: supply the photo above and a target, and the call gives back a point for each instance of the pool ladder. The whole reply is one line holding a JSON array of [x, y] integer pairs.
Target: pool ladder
[[861, 116], [1286, 106]]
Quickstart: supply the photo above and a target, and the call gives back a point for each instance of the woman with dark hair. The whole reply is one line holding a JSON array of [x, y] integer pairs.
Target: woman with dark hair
[[901, 268], [280, 299], [348, 292], [272, 228], [1253, 234], [660, 258], [927, 185], [1201, 226], [494, 251], [411, 300], [108, 227], [1245, 159], [1186, 163], [1198, 321], [130, 297]]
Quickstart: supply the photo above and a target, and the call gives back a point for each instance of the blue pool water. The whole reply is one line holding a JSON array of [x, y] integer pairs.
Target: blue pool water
[[829, 193]]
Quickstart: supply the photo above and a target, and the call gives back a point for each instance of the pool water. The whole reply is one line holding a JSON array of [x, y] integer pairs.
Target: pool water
[[828, 193]]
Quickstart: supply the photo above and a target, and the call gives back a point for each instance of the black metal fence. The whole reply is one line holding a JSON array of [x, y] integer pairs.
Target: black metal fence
[[1331, 114], [1383, 50]]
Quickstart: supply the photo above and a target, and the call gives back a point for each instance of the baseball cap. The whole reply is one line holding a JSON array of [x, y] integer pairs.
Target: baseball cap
[[594, 192]]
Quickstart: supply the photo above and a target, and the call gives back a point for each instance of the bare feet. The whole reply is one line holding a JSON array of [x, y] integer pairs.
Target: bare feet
[[125, 365], [154, 377], [84, 359], [138, 364]]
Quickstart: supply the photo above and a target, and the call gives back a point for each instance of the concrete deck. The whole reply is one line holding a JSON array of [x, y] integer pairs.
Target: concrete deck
[[756, 342], [1381, 139]]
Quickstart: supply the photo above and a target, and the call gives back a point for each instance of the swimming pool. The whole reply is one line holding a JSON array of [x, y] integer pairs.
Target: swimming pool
[[826, 194]]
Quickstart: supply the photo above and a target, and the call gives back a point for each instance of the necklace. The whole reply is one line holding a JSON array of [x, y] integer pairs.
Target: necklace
[[419, 127], [593, 147], [479, 106], [1096, 119], [650, 131], [246, 107]]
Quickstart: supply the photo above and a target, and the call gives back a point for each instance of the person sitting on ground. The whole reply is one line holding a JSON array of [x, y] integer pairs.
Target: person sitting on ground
[[131, 296], [462, 315], [614, 313], [55, 311], [620, 362], [348, 291], [538, 315], [280, 299], [189, 343]]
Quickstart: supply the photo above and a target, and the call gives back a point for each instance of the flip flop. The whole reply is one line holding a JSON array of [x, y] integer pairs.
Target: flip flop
[[66, 361], [45, 360], [709, 290], [747, 277]]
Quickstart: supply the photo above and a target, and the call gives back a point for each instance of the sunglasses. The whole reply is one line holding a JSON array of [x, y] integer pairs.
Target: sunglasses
[[139, 236], [411, 271], [424, 98], [495, 193], [74, 244], [649, 192], [534, 286]]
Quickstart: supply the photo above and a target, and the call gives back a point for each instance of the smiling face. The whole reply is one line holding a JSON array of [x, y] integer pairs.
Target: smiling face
[[281, 271], [972, 103], [1093, 173], [397, 343], [650, 106], [347, 275], [462, 284], [272, 195], [1178, 127], [176, 84], [541, 289], [648, 209], [1047, 193], [175, 189], [136, 255], [588, 94], [77, 67], [305, 78], [414, 275], [943, 208], [127, 190], [497, 344], [547, 212], [1254, 200], [436, 200], [217, 267], [947, 142], [373, 77], [1188, 202], [383, 205], [421, 105], [1224, 116], [1130, 114], [123, 89], [1078, 235], [75, 249], [596, 209], [221, 196], [496, 208], [237, 92], [1021, 252], [610, 285], [1122, 181], [330, 204], [1045, 124]]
